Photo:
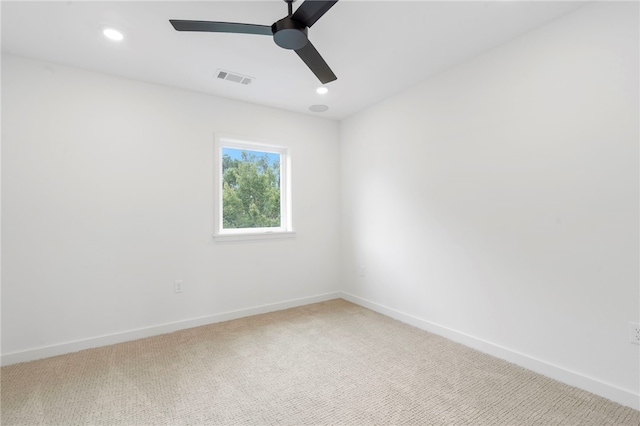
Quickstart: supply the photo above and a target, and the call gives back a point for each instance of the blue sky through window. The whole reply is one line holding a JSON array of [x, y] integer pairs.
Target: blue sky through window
[[236, 154]]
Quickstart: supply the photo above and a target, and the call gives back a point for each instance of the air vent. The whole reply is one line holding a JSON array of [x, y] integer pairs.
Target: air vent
[[234, 77]]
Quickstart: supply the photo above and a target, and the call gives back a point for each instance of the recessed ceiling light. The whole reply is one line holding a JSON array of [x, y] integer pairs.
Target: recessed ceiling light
[[112, 34], [318, 108], [322, 90]]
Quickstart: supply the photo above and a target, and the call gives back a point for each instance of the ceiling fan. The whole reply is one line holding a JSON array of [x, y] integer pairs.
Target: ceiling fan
[[289, 33]]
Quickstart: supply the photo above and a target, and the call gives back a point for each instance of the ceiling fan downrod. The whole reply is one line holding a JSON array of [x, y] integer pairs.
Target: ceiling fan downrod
[[290, 5]]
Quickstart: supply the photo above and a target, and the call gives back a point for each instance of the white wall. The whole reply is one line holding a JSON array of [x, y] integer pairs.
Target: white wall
[[498, 202], [108, 198]]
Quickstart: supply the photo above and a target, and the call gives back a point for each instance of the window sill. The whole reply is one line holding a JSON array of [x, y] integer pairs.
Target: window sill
[[252, 236]]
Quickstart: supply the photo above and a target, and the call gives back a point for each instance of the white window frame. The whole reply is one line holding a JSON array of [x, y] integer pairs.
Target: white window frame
[[285, 230]]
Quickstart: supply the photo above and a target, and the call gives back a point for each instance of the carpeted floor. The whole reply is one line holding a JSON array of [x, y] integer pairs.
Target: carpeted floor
[[327, 363]]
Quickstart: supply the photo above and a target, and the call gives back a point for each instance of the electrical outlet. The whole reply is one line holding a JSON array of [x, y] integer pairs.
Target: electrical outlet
[[634, 333], [177, 286]]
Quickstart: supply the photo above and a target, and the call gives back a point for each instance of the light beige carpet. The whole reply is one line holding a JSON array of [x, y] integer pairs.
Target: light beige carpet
[[327, 363]]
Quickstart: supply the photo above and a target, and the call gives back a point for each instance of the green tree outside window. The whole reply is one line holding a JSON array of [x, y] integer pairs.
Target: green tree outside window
[[250, 189]]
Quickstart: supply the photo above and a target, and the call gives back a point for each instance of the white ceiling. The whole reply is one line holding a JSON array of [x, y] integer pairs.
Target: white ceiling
[[376, 48]]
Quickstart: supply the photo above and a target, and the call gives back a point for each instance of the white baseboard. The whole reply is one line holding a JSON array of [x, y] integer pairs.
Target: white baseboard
[[110, 339], [572, 378]]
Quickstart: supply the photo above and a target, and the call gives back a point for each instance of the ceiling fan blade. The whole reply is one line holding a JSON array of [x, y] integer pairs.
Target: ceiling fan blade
[[312, 10], [220, 27], [314, 61]]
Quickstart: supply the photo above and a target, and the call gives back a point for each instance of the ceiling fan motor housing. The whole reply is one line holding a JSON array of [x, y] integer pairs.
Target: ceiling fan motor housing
[[290, 34]]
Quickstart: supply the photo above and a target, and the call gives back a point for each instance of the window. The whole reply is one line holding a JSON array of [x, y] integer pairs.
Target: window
[[253, 196]]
